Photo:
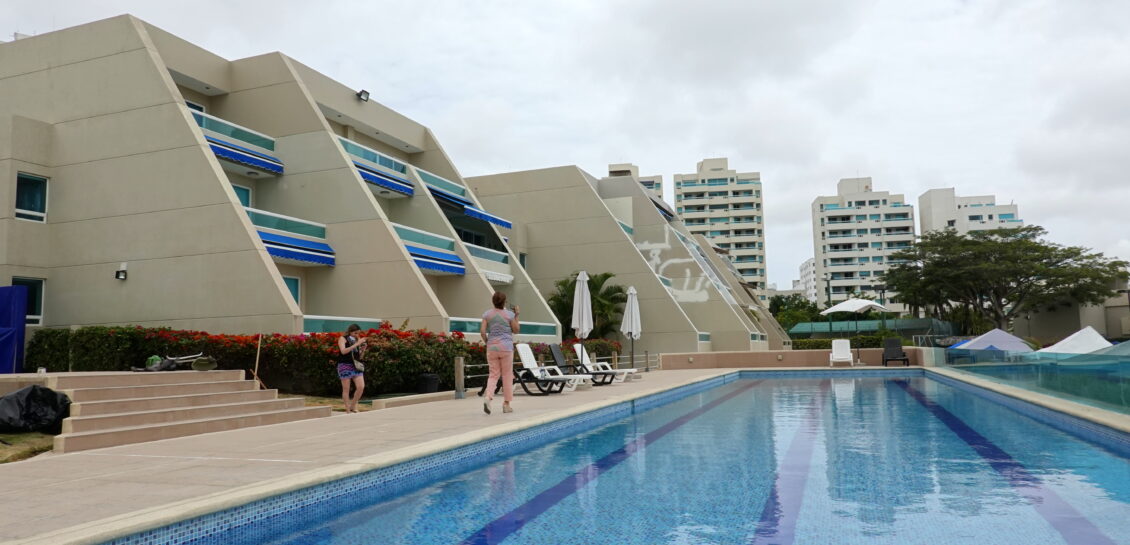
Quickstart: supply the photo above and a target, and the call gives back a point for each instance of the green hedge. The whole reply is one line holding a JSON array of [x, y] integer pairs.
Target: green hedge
[[299, 364]]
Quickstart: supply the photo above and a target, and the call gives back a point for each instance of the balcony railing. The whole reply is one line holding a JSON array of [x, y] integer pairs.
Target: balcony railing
[[441, 182], [231, 130], [471, 325], [419, 236], [279, 222], [333, 324], [487, 254], [372, 156]]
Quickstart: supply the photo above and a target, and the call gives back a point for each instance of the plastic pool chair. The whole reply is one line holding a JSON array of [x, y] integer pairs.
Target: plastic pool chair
[[599, 378], [548, 373], [620, 375], [892, 351], [841, 352]]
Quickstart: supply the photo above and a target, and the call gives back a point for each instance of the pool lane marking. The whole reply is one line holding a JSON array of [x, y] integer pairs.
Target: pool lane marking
[[782, 508], [501, 528], [1070, 523]]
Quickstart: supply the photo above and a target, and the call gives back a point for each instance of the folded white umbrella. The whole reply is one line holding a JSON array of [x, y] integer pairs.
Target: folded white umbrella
[[631, 327], [582, 306]]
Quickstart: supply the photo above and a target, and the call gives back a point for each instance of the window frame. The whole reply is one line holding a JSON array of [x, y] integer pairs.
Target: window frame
[[39, 217], [296, 294], [38, 318]]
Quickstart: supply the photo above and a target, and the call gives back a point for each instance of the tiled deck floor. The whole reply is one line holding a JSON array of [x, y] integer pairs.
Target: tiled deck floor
[[61, 498]]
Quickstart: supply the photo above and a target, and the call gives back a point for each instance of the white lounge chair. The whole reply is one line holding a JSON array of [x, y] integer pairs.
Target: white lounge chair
[[583, 357], [841, 352], [548, 372]]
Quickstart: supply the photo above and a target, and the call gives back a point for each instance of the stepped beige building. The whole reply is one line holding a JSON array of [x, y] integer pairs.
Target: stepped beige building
[[567, 220], [149, 181]]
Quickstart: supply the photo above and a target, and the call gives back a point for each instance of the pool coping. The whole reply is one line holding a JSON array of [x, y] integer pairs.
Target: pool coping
[[132, 523]]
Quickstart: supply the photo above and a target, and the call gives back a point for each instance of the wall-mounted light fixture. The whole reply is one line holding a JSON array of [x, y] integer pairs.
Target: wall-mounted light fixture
[[120, 274], [363, 95]]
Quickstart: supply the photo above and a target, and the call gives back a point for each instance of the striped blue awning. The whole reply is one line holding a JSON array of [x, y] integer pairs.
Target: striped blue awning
[[449, 196], [479, 214], [387, 181], [297, 249], [416, 251], [436, 261], [439, 266], [244, 156]]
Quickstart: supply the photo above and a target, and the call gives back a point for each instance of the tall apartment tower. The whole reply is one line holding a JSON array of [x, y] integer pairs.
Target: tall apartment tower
[[807, 282], [653, 184], [942, 208], [725, 206], [854, 233]]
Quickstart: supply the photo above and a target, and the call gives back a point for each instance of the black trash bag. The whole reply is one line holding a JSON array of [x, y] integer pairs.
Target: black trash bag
[[428, 383], [34, 408]]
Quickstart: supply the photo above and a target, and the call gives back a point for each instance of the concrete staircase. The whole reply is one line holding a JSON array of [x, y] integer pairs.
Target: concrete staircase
[[110, 409]]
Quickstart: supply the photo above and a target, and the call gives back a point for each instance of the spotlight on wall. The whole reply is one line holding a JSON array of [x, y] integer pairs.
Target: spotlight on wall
[[120, 274], [363, 95]]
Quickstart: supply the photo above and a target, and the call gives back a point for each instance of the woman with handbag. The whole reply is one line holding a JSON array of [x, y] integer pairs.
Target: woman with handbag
[[351, 346]]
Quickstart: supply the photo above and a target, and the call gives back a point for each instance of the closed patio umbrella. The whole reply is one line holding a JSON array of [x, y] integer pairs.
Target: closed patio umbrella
[[582, 306], [631, 327]]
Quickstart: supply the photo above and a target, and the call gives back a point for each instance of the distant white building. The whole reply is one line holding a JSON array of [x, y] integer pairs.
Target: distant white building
[[854, 233], [653, 184], [942, 208], [807, 282]]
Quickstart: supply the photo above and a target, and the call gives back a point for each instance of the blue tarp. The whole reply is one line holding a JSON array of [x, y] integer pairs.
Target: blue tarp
[[13, 320]]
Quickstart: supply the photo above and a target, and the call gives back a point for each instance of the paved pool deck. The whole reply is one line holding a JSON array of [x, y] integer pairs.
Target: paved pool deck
[[92, 496]]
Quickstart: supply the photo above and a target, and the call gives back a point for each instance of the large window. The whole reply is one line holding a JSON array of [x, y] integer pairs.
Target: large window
[[31, 197], [294, 284], [243, 194], [34, 298]]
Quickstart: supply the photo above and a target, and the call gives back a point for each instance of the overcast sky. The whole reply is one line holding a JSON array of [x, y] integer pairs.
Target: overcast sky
[[1028, 100]]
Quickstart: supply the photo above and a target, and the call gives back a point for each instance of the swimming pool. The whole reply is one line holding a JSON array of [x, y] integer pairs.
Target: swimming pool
[[833, 458], [1102, 382]]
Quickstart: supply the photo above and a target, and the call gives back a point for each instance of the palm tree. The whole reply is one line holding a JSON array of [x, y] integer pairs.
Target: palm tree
[[607, 303]]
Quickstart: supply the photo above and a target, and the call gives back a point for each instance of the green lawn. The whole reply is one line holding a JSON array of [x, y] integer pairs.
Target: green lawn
[[20, 446]]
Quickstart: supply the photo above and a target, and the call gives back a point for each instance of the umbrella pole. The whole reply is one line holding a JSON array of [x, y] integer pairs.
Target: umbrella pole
[[633, 364]]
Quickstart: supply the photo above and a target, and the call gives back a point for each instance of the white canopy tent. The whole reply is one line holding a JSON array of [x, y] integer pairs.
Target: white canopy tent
[[996, 339], [854, 305], [1084, 341]]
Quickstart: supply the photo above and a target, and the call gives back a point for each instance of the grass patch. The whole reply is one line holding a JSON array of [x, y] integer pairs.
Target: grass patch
[[21, 446]]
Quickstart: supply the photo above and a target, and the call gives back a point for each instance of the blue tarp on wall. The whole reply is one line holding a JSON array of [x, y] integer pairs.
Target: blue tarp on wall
[[13, 316]]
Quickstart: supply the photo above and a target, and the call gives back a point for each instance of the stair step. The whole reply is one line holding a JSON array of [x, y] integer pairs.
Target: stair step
[[95, 408], [132, 419], [159, 390], [74, 442], [75, 381]]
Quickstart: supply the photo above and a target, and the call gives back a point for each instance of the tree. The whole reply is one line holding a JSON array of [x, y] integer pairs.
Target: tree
[[790, 310], [607, 303], [999, 274]]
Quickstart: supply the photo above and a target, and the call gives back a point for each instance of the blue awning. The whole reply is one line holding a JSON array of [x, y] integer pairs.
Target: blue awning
[[449, 196], [388, 181], [479, 214], [439, 266], [416, 251], [244, 156], [297, 249]]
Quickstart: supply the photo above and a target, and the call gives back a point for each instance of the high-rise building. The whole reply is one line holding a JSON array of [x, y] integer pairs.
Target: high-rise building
[[653, 184], [942, 208], [725, 206], [807, 282], [854, 234]]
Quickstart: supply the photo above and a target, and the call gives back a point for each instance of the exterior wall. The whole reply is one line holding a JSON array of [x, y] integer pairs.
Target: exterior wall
[[130, 182], [726, 206], [563, 226], [653, 184], [854, 233], [774, 337], [782, 358], [942, 208], [133, 180], [1110, 319]]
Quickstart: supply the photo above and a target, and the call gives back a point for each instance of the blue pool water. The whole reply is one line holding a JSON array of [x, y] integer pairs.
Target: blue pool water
[[866, 460]]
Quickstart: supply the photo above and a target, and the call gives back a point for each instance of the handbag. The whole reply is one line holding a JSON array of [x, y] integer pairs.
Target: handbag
[[358, 365]]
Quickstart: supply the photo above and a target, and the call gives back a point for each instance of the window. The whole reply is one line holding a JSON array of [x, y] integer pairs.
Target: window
[[31, 197], [294, 284], [975, 218], [950, 223], [522, 260], [194, 106], [243, 194], [34, 298]]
